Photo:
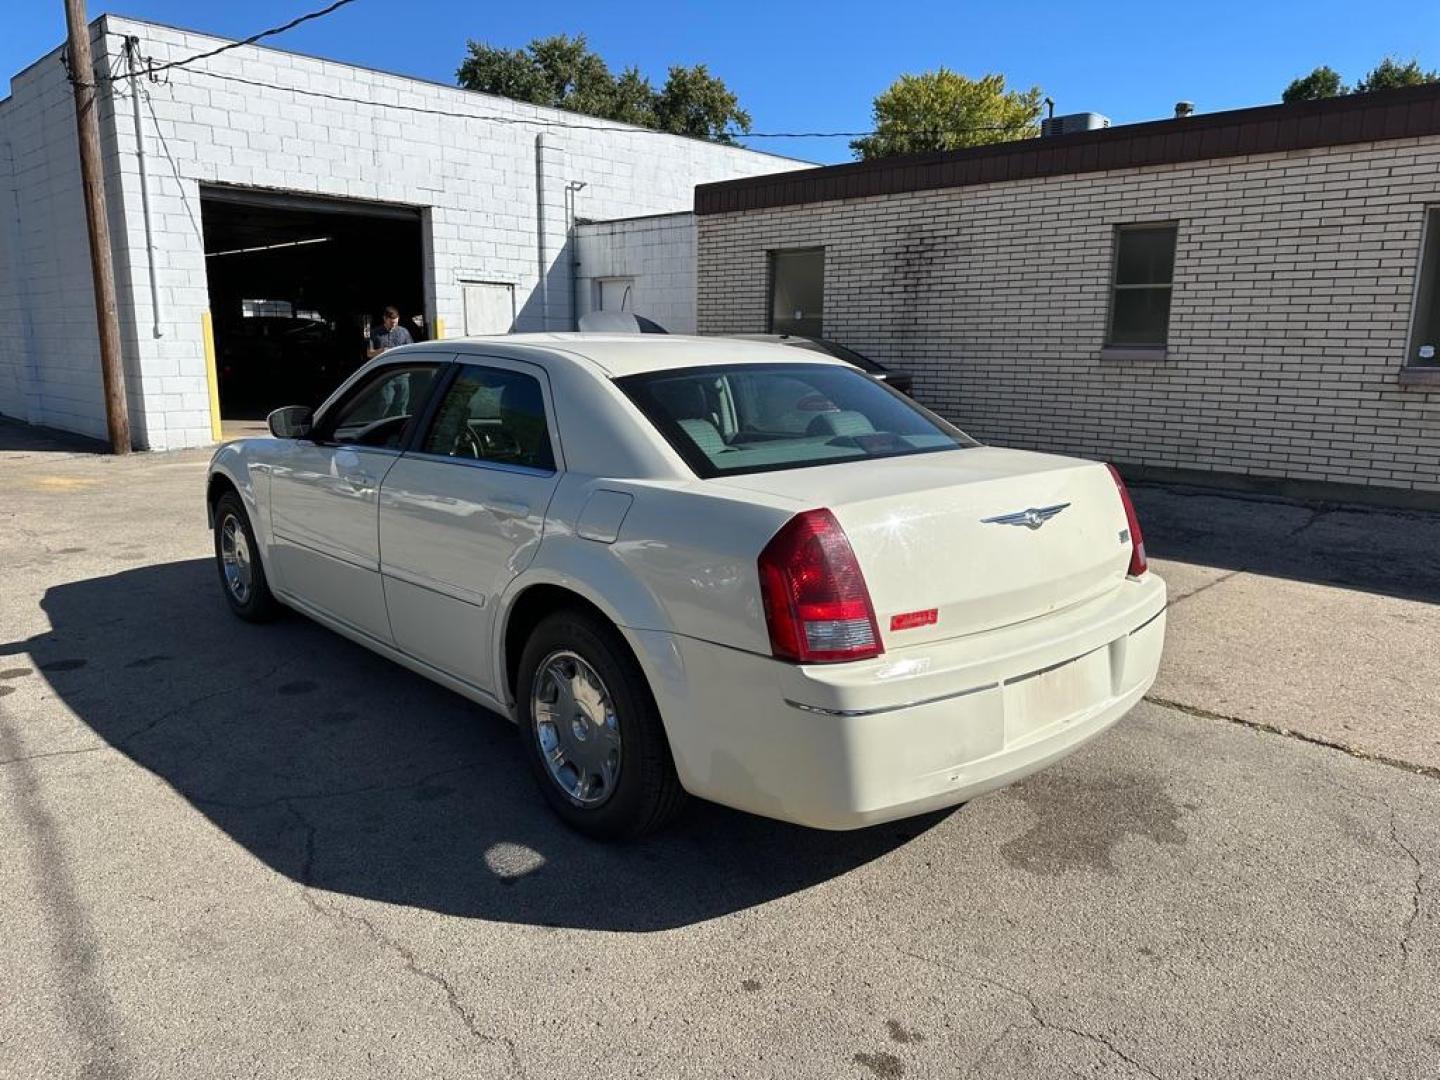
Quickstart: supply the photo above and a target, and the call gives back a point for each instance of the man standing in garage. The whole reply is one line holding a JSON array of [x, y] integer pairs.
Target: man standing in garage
[[389, 338]]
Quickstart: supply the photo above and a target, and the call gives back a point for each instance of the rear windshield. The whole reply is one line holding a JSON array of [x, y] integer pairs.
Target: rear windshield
[[762, 417]]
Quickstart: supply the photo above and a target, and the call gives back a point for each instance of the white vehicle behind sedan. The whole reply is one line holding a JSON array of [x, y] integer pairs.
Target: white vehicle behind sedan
[[704, 566]]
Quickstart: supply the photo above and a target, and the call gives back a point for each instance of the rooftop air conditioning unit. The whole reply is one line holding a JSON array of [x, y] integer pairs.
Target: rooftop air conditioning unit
[[1073, 122]]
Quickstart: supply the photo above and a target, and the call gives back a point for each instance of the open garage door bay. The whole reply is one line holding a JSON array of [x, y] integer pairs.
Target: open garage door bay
[[296, 284]]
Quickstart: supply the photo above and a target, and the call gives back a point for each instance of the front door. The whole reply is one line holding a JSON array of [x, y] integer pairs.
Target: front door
[[462, 514], [324, 497]]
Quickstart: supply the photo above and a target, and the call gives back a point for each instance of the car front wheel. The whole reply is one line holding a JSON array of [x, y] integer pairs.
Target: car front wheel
[[592, 732], [237, 556]]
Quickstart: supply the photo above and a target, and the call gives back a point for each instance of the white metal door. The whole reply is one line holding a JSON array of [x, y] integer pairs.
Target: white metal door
[[489, 307]]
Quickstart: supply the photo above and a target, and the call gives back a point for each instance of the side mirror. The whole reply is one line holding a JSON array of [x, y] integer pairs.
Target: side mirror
[[291, 422]]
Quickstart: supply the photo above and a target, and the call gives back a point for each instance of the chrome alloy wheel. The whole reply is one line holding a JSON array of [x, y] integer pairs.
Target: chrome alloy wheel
[[235, 555], [576, 728]]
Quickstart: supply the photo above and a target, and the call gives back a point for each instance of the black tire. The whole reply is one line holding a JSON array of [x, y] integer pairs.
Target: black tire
[[254, 602], [646, 794]]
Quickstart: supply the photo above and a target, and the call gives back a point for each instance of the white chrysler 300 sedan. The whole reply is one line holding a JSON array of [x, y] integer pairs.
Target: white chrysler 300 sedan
[[702, 565]]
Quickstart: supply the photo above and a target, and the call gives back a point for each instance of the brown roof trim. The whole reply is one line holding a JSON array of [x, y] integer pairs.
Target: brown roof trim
[[1355, 118]]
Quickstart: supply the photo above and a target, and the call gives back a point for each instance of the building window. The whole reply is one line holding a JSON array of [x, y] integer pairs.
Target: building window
[[1425, 325], [1140, 293], [797, 292], [259, 309]]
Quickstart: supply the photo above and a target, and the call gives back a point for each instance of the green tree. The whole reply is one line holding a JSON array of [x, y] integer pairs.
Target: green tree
[[1323, 82], [563, 72], [694, 102], [1390, 74], [511, 73], [943, 110], [633, 100]]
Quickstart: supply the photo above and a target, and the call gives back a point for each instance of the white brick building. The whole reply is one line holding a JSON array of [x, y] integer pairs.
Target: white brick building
[[1303, 288], [645, 265], [486, 187]]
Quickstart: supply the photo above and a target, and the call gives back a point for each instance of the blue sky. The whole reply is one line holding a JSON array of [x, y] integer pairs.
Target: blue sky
[[817, 66]]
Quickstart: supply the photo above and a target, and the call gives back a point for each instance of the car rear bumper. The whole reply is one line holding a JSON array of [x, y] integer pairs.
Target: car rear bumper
[[848, 745]]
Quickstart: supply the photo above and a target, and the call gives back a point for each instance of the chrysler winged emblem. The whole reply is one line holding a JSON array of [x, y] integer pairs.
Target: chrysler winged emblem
[[1032, 518]]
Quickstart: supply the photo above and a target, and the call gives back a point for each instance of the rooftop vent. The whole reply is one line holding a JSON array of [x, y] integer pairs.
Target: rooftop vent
[[1073, 122], [1183, 109]]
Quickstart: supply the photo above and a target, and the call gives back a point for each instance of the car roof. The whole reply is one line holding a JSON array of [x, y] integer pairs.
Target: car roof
[[618, 355]]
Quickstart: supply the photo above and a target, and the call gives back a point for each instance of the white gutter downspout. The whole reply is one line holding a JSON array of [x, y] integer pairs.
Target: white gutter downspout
[[540, 232], [132, 45]]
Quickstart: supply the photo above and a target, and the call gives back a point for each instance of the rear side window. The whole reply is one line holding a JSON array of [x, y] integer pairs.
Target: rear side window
[[494, 415], [747, 418]]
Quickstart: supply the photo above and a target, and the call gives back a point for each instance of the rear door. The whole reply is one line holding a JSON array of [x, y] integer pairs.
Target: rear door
[[324, 495], [462, 513]]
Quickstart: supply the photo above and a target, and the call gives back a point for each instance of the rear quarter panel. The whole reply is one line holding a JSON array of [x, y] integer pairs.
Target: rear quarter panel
[[683, 560]]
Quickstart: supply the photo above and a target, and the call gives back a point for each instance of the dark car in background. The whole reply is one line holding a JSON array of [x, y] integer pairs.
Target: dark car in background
[[900, 380], [268, 358]]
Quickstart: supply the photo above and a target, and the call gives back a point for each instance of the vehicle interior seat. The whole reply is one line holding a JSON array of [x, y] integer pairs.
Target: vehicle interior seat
[[842, 422], [684, 399]]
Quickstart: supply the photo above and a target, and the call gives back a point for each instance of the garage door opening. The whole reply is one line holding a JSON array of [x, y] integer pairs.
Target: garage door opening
[[296, 287]]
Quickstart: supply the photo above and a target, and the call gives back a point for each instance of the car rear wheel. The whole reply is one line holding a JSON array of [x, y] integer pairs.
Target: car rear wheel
[[237, 556], [591, 730]]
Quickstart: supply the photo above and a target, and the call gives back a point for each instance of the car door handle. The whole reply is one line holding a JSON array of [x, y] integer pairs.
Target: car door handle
[[508, 508]]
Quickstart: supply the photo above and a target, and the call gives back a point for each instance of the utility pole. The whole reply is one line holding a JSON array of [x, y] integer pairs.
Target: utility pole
[[82, 78]]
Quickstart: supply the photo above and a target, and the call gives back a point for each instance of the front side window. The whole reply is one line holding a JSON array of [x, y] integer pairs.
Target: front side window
[[494, 415], [380, 411], [747, 418], [1143, 277], [797, 292], [1425, 328]]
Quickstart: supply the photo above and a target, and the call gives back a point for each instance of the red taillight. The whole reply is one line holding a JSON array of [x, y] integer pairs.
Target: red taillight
[[816, 603], [1138, 563]]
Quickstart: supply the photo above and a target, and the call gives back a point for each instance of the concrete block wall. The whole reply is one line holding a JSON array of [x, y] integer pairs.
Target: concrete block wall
[[490, 175], [1294, 280], [49, 354], [656, 253]]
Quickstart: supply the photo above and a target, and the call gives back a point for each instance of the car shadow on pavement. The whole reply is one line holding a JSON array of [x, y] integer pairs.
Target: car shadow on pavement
[[1370, 549], [348, 773]]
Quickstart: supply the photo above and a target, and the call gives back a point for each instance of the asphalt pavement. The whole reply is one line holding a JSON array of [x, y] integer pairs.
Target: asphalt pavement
[[229, 850]]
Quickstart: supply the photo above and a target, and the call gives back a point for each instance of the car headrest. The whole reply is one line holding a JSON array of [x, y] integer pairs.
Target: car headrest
[[683, 399], [841, 422]]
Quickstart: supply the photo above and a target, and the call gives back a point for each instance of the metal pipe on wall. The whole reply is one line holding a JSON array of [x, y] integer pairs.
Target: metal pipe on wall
[[544, 284], [572, 191], [132, 49]]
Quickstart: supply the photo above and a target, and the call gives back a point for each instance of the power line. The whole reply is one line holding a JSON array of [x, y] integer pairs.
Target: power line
[[152, 69], [578, 126], [155, 69]]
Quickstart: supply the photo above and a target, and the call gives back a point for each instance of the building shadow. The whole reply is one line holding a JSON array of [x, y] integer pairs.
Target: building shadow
[[347, 773], [1370, 549], [16, 436]]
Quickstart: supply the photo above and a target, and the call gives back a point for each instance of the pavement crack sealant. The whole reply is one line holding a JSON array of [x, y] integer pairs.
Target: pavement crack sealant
[[1430, 771]]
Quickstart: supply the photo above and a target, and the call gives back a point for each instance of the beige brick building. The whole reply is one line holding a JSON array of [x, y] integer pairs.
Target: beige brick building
[[1300, 345]]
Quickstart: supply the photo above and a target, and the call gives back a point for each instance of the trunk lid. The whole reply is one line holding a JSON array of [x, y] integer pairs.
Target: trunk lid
[[948, 532]]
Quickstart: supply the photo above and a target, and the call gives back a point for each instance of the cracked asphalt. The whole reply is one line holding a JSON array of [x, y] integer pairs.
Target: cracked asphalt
[[233, 851]]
